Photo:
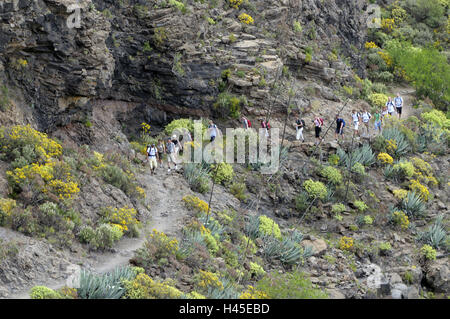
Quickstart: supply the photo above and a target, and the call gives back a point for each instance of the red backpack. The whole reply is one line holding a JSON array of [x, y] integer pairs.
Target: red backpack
[[249, 124], [321, 121]]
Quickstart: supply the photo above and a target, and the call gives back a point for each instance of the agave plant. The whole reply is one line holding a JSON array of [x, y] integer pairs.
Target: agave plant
[[106, 286], [412, 205], [290, 252], [403, 146], [197, 176], [190, 240], [252, 227], [435, 235], [363, 155], [228, 291]]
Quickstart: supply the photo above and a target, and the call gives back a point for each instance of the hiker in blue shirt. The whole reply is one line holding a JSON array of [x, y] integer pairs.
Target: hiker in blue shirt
[[340, 124], [398, 101]]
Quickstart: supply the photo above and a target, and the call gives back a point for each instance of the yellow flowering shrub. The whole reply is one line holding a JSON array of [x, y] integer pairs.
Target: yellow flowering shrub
[[20, 135], [7, 206], [420, 189], [385, 158], [346, 243], [401, 219], [125, 217], [400, 193], [386, 58], [253, 293], [141, 192], [163, 242], [407, 168], [391, 146], [144, 287], [64, 190], [195, 295], [205, 279], [195, 203], [370, 45], [55, 175], [245, 18], [388, 24], [235, 3]]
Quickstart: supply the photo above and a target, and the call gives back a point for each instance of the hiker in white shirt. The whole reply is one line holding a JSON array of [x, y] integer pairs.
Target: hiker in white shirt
[[366, 116], [390, 106], [355, 121], [398, 101]]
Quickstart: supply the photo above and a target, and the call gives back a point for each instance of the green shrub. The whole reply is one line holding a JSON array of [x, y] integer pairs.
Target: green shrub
[[427, 68], [280, 286], [238, 190], [315, 189], [378, 99], [228, 105], [359, 169], [42, 292], [360, 205], [256, 270], [332, 174], [338, 208], [223, 173], [436, 117], [267, 226], [428, 252], [333, 159], [102, 237]]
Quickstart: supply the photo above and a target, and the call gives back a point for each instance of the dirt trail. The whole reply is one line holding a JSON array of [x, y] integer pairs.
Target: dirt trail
[[164, 191]]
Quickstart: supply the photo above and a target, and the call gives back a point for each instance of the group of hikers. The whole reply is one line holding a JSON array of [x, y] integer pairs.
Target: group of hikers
[[364, 116], [172, 145]]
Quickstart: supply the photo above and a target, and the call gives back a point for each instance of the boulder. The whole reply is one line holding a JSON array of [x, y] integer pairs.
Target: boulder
[[319, 246], [437, 276]]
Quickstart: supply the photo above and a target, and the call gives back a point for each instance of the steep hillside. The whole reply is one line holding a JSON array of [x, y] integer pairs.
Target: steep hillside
[[361, 217]]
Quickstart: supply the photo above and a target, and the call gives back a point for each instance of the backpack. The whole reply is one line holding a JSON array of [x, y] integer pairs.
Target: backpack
[[321, 121], [343, 123], [249, 124], [268, 125]]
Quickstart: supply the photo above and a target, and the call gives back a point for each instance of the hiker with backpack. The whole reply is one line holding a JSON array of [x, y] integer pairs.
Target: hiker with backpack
[[161, 149], [398, 101], [366, 116], [152, 154], [299, 126], [378, 118], [355, 121], [390, 106], [318, 123], [171, 155], [340, 124], [246, 123], [177, 144], [265, 125], [212, 131]]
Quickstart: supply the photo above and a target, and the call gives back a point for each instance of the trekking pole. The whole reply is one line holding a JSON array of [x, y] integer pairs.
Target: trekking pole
[[349, 167], [210, 196], [326, 132]]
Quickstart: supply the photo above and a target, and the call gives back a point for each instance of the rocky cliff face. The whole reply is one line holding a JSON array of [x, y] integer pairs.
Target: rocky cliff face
[[166, 59]]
